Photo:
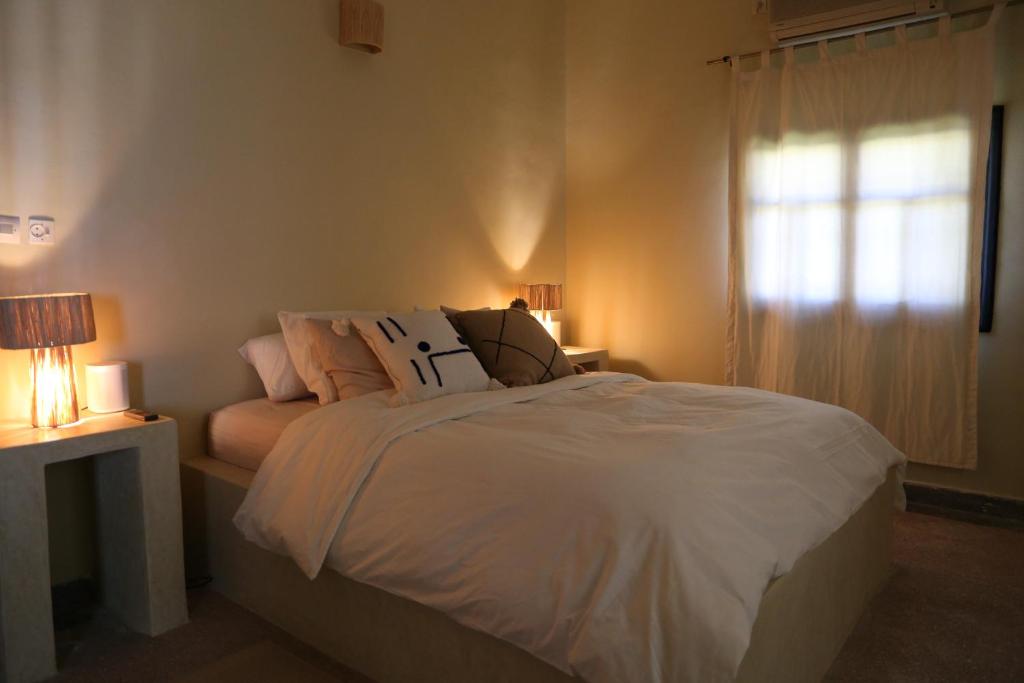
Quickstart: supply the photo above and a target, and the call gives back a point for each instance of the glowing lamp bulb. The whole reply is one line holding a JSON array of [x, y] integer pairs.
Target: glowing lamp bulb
[[54, 391]]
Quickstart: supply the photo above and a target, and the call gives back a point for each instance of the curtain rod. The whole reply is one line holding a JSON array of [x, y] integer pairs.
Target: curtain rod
[[955, 15]]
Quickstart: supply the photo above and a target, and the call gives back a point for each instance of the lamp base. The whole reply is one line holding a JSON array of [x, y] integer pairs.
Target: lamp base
[[553, 327], [54, 395]]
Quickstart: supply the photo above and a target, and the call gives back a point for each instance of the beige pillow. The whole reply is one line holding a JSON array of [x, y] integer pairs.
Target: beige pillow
[[513, 347], [294, 328], [348, 361]]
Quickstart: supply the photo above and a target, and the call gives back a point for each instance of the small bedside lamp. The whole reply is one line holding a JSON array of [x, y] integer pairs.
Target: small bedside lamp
[[542, 299], [49, 324]]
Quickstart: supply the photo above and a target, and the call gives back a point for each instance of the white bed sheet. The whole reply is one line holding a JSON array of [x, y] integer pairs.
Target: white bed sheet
[[244, 433], [615, 528]]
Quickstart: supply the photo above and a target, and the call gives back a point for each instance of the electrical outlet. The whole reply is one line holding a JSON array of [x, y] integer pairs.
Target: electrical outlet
[[10, 230], [41, 230]]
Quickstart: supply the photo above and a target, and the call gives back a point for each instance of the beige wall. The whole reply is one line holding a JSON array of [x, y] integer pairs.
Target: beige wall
[[209, 163], [646, 233], [647, 142]]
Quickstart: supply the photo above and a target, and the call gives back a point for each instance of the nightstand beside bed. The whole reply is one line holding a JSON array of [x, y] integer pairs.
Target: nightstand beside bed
[[592, 360], [138, 510]]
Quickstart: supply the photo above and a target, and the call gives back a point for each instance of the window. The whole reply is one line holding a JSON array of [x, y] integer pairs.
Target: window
[[796, 220], [881, 220]]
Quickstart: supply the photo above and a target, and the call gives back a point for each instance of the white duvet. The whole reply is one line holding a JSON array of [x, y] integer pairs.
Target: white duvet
[[619, 529]]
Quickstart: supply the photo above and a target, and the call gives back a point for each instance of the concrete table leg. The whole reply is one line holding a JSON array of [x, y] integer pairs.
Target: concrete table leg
[[138, 510], [26, 613]]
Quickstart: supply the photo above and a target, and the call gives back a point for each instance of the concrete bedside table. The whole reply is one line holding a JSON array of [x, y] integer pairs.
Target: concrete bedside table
[[138, 519], [592, 360]]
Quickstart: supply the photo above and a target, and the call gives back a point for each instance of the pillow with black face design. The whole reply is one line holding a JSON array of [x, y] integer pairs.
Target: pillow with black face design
[[423, 354], [513, 347]]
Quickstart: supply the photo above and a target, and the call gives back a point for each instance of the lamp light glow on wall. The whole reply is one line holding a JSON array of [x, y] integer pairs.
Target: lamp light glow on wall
[[542, 299], [48, 325]]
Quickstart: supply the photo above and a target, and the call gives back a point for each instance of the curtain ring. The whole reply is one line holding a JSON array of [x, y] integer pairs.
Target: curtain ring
[[734, 62], [861, 41], [901, 35], [823, 54]]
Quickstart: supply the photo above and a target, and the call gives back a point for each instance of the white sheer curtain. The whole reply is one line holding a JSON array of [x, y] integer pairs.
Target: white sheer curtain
[[857, 192]]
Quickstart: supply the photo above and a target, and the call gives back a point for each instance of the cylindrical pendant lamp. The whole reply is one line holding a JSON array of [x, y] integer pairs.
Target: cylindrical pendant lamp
[[362, 25]]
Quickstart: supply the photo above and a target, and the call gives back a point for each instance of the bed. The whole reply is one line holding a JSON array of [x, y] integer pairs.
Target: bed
[[669, 532]]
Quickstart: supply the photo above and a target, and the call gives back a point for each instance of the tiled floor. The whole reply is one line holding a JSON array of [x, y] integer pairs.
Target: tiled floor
[[953, 611], [222, 643]]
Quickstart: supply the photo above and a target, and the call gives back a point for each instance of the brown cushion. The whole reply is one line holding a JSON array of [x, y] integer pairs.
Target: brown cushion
[[513, 347], [349, 361], [453, 313]]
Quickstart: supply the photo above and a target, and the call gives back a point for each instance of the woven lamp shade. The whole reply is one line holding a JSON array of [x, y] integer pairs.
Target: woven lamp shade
[[542, 297], [46, 320], [49, 324]]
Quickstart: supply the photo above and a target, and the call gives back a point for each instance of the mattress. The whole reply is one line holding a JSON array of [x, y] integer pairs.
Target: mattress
[[243, 433]]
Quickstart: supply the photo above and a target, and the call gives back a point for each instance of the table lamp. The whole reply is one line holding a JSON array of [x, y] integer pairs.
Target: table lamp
[[541, 300], [49, 324]]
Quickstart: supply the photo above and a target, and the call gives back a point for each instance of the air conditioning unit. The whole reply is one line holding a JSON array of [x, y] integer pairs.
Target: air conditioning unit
[[794, 21]]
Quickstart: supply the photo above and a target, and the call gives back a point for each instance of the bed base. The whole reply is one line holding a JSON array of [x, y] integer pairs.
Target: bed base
[[804, 618]]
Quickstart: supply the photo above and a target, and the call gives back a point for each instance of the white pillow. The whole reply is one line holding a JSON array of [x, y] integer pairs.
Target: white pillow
[[423, 355], [269, 355], [301, 351]]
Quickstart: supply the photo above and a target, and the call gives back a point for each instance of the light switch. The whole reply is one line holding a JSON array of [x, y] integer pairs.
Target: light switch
[[10, 229], [40, 230]]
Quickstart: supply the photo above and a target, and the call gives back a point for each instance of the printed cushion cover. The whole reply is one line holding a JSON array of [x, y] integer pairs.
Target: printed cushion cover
[[423, 355]]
